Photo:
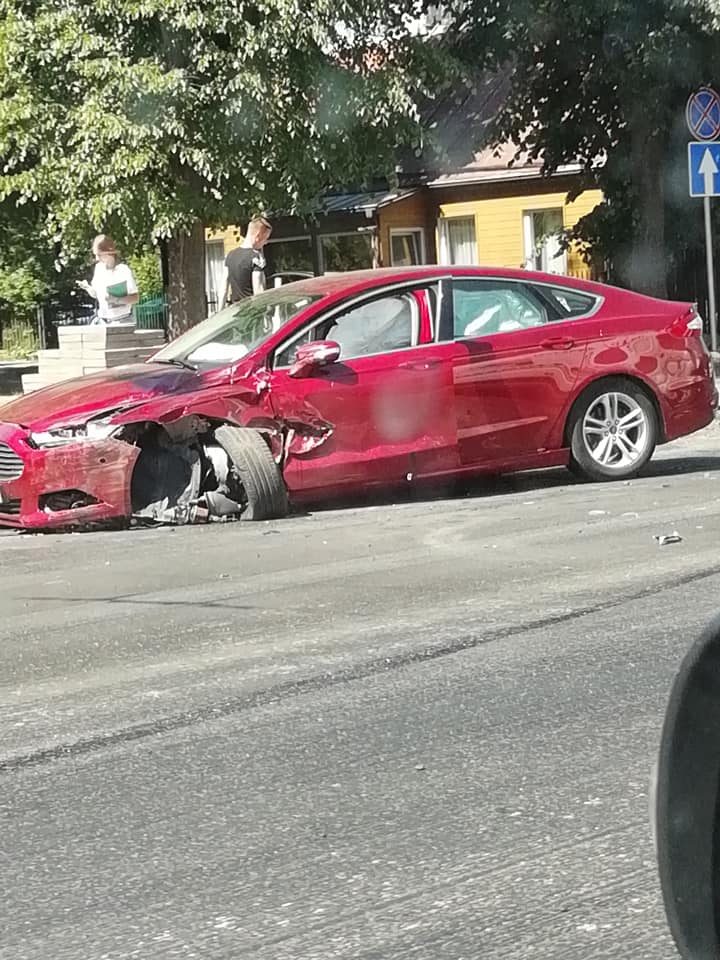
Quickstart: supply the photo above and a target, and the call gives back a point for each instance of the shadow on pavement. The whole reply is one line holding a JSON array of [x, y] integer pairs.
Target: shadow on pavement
[[525, 482]]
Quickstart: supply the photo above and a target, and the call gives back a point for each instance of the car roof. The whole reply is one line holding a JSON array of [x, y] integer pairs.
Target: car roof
[[354, 281]]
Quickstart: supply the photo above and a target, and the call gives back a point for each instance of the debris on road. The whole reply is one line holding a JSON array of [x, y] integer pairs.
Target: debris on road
[[665, 539]]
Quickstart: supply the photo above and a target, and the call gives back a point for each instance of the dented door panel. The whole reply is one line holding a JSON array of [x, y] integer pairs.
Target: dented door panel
[[383, 417]]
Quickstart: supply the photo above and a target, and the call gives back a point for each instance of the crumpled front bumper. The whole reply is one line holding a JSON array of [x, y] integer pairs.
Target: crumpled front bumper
[[101, 470]]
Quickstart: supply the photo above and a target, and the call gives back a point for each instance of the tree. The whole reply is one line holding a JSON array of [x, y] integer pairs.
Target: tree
[[151, 118], [603, 83]]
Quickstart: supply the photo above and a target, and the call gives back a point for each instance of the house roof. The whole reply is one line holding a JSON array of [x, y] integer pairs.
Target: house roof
[[362, 202], [460, 122], [496, 166]]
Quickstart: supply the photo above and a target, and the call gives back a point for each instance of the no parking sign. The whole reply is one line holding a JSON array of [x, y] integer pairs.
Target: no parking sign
[[703, 114]]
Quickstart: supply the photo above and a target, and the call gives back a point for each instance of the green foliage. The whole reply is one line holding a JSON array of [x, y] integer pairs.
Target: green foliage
[[19, 341], [602, 83], [147, 272], [139, 116], [25, 262]]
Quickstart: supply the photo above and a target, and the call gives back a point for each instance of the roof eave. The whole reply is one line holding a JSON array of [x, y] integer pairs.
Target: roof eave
[[500, 176]]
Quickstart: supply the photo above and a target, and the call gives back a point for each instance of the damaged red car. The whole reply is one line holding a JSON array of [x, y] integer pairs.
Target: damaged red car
[[341, 383]]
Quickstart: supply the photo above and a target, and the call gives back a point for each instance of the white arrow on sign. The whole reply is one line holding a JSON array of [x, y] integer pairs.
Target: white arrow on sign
[[707, 169]]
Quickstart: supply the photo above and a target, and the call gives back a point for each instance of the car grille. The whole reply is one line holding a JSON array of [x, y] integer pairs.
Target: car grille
[[11, 465], [10, 508]]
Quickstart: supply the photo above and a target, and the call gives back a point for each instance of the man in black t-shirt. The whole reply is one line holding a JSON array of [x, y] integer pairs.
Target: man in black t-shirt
[[245, 265]]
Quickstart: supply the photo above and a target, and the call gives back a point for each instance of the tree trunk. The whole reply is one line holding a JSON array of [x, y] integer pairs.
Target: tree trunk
[[186, 279], [643, 267]]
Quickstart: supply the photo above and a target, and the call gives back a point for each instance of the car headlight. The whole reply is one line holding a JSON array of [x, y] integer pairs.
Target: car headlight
[[92, 430]]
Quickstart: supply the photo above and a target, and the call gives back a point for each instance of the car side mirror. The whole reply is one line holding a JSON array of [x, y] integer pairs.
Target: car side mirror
[[311, 356], [687, 791]]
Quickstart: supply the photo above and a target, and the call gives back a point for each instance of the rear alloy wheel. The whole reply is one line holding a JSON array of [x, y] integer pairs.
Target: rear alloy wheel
[[262, 481], [614, 431]]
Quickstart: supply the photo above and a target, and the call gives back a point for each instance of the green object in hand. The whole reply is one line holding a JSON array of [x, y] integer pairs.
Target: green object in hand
[[118, 289]]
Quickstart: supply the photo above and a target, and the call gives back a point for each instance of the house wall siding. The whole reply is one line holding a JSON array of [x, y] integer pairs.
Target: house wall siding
[[497, 208], [413, 212], [231, 237], [499, 222]]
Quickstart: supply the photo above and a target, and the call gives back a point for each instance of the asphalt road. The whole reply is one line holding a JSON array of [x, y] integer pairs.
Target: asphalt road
[[412, 730]]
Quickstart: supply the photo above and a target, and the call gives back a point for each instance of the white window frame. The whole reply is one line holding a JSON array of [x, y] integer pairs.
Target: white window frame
[[404, 231], [212, 244], [444, 245], [529, 238]]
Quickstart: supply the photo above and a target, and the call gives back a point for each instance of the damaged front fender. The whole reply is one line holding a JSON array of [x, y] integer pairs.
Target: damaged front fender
[[237, 409]]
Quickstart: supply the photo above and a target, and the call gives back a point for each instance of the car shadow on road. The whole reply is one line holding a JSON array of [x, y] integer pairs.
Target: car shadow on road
[[493, 486]]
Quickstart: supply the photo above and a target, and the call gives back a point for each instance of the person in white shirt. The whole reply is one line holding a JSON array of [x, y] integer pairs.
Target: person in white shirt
[[113, 284]]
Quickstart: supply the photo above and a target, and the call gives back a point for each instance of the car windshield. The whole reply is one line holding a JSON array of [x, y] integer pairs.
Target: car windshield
[[231, 333]]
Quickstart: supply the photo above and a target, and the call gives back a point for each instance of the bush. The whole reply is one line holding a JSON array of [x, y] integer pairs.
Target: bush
[[19, 341], [147, 272]]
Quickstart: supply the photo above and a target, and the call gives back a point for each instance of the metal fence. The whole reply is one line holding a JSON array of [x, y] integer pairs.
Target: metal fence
[[152, 313]]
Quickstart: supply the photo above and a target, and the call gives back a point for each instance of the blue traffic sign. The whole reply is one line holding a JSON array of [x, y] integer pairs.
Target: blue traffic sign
[[704, 169], [703, 114]]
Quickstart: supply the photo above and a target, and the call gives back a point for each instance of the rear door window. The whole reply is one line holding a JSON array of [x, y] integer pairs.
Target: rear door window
[[485, 307], [569, 303]]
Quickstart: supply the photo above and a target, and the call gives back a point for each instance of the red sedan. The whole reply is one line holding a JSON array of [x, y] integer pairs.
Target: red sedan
[[341, 383]]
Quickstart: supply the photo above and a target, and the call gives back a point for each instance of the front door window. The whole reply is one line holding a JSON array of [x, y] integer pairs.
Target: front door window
[[378, 326]]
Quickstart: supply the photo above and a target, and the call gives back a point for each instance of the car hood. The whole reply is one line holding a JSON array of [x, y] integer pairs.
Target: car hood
[[75, 401]]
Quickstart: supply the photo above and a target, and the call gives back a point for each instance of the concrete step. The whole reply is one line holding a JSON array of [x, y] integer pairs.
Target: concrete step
[[109, 336]]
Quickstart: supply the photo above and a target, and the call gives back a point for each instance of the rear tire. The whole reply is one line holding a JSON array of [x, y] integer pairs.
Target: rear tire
[[265, 489], [613, 431]]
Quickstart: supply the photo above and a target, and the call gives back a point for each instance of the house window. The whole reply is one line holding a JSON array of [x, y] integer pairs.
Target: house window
[[458, 242], [542, 233], [288, 255], [346, 251], [214, 274], [407, 247]]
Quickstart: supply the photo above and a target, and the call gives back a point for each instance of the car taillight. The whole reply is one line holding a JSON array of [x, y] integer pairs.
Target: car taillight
[[688, 324]]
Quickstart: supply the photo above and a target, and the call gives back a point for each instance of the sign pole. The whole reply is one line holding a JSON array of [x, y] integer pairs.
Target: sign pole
[[710, 276], [702, 114]]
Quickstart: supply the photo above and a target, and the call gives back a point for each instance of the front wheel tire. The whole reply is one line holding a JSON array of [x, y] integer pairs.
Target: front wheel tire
[[264, 487], [614, 431]]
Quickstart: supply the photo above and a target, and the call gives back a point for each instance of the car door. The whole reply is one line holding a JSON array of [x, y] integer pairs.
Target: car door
[[388, 400], [518, 361]]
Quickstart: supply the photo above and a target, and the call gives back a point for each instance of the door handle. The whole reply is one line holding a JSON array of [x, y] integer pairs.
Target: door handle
[[557, 343], [420, 364]]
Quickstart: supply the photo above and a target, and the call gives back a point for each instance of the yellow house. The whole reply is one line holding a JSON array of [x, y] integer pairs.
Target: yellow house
[[492, 212], [495, 214]]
